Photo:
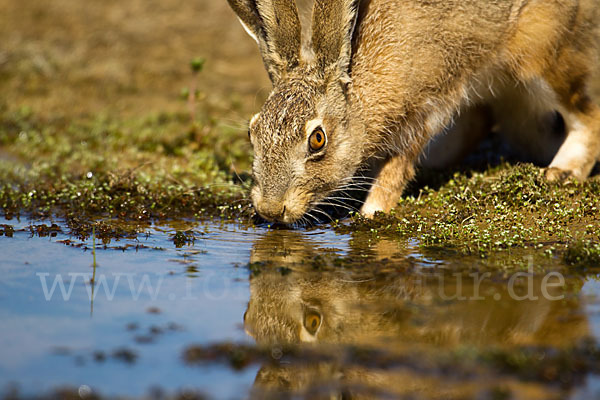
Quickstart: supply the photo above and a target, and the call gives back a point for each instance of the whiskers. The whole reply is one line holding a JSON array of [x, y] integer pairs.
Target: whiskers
[[344, 200]]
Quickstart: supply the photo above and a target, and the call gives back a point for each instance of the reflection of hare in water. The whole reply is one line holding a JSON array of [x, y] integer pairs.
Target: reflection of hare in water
[[395, 312]]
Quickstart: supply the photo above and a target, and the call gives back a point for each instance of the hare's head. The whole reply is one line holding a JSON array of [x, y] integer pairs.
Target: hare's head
[[307, 137]]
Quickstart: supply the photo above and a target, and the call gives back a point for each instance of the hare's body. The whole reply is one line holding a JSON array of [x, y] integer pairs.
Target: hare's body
[[382, 77], [523, 58]]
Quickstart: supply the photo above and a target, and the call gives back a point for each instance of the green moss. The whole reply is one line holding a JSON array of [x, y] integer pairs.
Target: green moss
[[583, 254], [153, 167], [181, 238], [503, 208]]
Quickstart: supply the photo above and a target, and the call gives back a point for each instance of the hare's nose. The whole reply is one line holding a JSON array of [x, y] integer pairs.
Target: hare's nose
[[271, 210]]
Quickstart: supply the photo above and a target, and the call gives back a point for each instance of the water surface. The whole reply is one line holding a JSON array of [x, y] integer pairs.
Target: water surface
[[366, 316]]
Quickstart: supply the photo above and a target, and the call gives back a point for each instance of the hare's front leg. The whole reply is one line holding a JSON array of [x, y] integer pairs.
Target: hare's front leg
[[393, 175], [456, 139]]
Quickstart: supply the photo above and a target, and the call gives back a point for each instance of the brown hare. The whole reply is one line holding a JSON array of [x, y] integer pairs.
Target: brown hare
[[373, 81]]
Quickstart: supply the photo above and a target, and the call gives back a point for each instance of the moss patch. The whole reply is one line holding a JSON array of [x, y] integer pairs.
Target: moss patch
[[502, 208], [160, 166], [583, 254]]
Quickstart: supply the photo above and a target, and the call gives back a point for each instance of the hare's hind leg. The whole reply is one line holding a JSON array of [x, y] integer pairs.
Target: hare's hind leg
[[581, 149]]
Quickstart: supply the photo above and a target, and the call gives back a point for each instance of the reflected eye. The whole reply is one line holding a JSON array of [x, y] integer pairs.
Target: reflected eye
[[312, 322], [317, 139]]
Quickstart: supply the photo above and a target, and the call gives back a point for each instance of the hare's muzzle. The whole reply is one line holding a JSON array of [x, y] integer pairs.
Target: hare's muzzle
[[287, 207], [272, 210], [285, 212]]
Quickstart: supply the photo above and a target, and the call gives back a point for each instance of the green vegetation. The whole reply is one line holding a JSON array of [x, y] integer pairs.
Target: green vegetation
[[502, 208], [583, 254], [154, 167]]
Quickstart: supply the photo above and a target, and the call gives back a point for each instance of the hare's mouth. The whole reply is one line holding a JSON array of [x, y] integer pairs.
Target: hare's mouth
[[303, 209], [289, 211]]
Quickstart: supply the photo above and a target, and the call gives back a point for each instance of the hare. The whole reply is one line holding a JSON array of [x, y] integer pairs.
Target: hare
[[373, 81]]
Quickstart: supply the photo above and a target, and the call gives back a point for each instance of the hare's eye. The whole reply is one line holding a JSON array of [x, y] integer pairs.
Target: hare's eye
[[317, 139]]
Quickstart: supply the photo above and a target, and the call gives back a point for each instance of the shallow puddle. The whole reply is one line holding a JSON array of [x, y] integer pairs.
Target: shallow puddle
[[231, 311]]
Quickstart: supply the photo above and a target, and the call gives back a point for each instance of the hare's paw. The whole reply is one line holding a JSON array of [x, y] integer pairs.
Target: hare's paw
[[369, 209], [379, 201], [553, 174]]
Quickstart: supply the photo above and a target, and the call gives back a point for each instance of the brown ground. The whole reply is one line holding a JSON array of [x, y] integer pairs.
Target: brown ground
[[69, 57]]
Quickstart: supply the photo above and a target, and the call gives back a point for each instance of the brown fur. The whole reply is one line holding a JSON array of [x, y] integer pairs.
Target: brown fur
[[381, 89]]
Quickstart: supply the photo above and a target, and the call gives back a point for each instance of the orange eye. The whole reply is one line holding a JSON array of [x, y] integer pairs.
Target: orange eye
[[317, 139], [312, 322]]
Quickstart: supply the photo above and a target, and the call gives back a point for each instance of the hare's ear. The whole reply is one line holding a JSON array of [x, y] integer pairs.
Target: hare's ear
[[275, 26], [333, 24]]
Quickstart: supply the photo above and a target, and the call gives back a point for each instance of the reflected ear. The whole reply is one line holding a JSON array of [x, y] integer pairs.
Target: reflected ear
[[275, 26], [333, 24]]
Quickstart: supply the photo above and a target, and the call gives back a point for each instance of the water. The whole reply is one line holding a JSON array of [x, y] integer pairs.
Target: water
[[429, 323]]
